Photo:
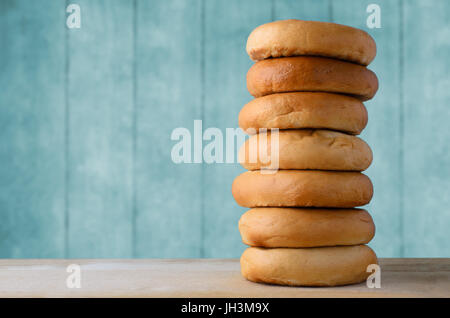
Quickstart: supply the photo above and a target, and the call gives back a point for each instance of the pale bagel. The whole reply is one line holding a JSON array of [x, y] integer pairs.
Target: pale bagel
[[302, 188], [316, 266], [297, 37], [313, 74], [305, 227], [305, 110], [306, 149]]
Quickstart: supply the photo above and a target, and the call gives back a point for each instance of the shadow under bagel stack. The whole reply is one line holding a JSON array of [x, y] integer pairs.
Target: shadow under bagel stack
[[303, 229]]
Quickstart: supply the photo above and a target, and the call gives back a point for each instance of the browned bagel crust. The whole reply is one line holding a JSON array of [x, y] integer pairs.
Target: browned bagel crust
[[311, 74], [297, 37], [301, 110], [302, 188], [305, 227], [315, 266], [306, 149]]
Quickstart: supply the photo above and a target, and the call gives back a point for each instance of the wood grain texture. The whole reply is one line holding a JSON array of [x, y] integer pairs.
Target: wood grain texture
[[316, 10], [205, 278], [100, 89], [32, 112], [426, 90], [168, 195]]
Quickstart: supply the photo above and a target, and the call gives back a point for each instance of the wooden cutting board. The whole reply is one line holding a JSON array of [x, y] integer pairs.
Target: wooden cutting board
[[204, 278]]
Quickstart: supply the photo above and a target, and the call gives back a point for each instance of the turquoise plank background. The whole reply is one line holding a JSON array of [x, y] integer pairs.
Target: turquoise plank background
[[86, 117]]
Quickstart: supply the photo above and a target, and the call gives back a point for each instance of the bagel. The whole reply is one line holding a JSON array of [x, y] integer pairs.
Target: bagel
[[306, 149], [314, 74], [301, 110], [315, 266], [302, 188], [305, 227], [297, 37]]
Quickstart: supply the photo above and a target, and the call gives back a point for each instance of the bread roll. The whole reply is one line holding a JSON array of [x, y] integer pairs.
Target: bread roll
[[305, 227], [316, 266], [306, 149], [302, 188], [314, 74], [297, 37], [305, 110]]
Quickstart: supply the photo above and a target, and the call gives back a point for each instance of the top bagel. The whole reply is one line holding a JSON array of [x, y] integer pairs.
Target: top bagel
[[296, 37]]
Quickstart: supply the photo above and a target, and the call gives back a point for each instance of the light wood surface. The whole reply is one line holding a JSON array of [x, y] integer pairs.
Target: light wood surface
[[204, 278]]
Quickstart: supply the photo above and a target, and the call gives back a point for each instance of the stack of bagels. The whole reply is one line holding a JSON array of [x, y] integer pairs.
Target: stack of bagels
[[303, 229]]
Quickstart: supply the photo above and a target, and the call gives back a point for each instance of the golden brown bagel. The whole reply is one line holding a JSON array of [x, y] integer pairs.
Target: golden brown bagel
[[315, 266], [302, 188], [306, 149], [305, 110], [297, 37], [305, 227], [313, 74]]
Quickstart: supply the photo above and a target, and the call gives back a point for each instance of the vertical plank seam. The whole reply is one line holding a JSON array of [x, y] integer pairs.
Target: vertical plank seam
[[134, 137], [202, 112], [66, 138], [401, 127], [272, 10], [330, 10]]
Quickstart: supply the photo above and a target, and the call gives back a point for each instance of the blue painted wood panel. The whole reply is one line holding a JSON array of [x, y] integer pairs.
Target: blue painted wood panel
[[169, 89], [32, 116], [426, 111], [86, 117], [317, 10], [100, 131]]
